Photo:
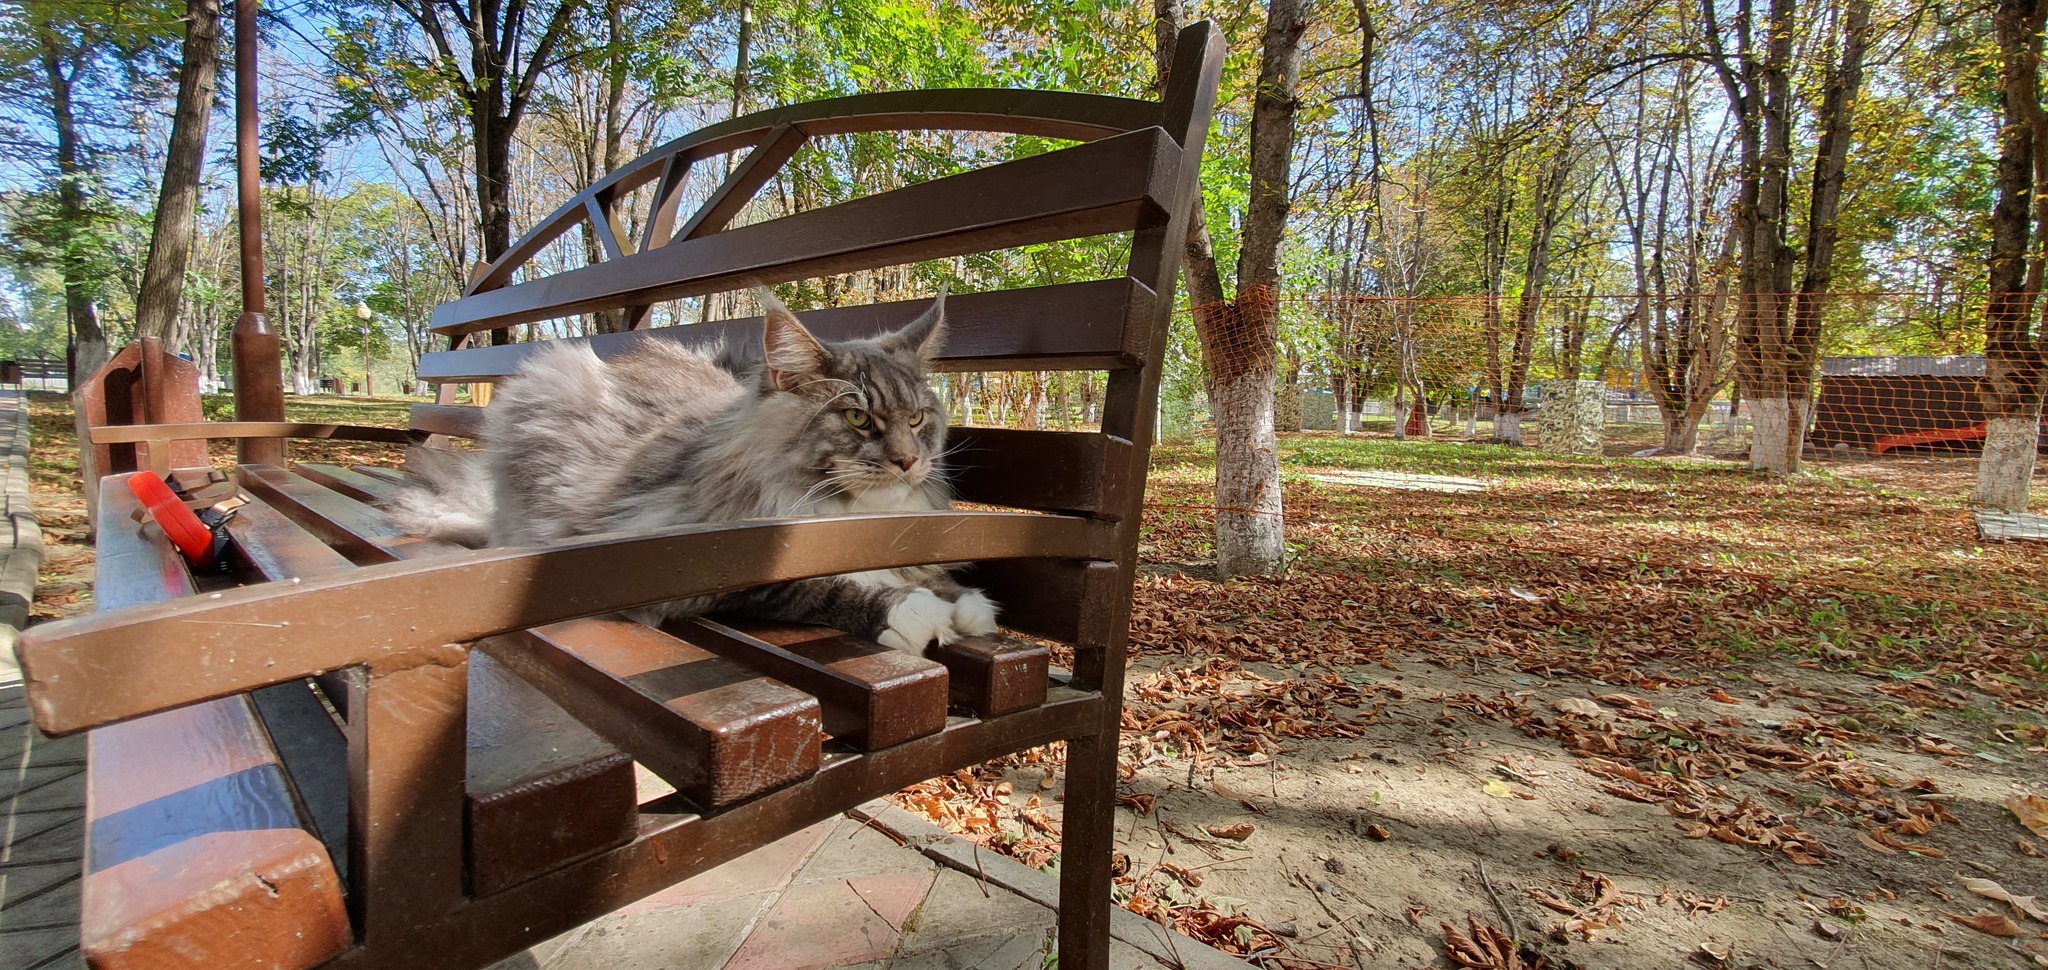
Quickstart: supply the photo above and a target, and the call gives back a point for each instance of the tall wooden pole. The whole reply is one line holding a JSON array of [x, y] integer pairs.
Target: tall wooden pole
[[259, 378]]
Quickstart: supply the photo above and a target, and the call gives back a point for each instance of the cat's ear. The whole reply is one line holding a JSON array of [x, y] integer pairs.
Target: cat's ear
[[794, 357], [926, 334]]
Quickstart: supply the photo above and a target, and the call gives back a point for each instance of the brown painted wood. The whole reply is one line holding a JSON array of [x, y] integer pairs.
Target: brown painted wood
[[360, 532], [196, 854], [995, 675], [119, 394], [354, 483], [541, 789], [1056, 471], [1070, 326], [760, 165], [661, 220], [1050, 114], [720, 733], [873, 696], [989, 675], [82, 672], [198, 430], [676, 842], [1104, 186], [454, 420]]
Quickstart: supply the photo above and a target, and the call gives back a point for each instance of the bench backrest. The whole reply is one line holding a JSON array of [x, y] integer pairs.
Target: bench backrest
[[1134, 170]]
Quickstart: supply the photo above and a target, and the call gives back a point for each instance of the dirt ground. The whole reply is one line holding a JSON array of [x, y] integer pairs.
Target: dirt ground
[[1627, 714]]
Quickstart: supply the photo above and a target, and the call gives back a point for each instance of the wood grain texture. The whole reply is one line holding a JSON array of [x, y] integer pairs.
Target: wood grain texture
[[1111, 185], [718, 732], [196, 854], [1068, 326]]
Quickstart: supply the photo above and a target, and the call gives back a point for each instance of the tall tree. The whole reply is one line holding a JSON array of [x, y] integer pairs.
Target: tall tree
[[1239, 333], [170, 242], [2015, 343], [491, 63], [1777, 343]]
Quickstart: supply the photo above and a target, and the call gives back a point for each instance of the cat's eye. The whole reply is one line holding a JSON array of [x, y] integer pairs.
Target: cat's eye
[[917, 419], [855, 417]]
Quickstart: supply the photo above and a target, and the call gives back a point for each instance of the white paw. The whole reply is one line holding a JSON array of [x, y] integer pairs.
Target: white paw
[[918, 620], [974, 614]]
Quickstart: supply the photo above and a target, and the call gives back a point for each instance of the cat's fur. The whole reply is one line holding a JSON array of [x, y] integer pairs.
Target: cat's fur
[[663, 436]]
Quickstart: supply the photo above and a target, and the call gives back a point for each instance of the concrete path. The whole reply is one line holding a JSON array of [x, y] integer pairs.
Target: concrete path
[[878, 888]]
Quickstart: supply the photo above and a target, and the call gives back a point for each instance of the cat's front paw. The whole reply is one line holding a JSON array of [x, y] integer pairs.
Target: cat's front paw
[[974, 614], [918, 619]]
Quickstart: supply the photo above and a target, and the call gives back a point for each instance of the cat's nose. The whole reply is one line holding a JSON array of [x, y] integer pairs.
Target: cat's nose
[[905, 463]]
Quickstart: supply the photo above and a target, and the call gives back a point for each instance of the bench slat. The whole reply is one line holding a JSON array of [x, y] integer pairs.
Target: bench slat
[[541, 788], [352, 482], [1068, 326], [873, 697], [358, 531], [196, 854], [718, 732], [1115, 184], [84, 672], [989, 675], [453, 420]]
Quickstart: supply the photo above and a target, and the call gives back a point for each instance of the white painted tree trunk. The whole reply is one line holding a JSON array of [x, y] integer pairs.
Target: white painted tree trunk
[[91, 356], [1777, 426], [1507, 428], [2007, 467], [1250, 528]]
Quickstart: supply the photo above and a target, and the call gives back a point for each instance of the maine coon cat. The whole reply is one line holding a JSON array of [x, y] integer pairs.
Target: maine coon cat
[[664, 436]]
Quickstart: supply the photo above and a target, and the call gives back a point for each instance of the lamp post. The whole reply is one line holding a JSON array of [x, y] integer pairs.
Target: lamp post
[[363, 323]]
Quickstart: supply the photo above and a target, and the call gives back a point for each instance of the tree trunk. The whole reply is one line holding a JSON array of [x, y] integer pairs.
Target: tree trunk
[[170, 241], [1238, 338], [2016, 355], [88, 341]]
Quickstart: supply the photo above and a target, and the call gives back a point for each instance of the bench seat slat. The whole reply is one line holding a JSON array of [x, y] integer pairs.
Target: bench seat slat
[[718, 732], [196, 855], [1067, 326], [541, 788], [989, 675], [1115, 184], [352, 482], [873, 697]]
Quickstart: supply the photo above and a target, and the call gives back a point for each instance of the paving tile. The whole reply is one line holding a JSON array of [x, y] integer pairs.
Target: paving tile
[[21, 882], [42, 949], [51, 843], [58, 906], [700, 939], [65, 794], [895, 896], [855, 848], [955, 907], [816, 926], [764, 869], [21, 783], [1007, 951]]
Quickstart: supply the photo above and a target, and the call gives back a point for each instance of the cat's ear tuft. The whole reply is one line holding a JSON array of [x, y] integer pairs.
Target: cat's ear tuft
[[926, 334], [794, 357]]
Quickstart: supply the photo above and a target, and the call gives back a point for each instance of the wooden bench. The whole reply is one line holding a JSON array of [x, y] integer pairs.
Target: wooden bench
[[356, 748]]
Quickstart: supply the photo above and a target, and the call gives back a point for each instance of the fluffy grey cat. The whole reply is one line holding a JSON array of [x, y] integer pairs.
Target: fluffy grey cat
[[663, 436]]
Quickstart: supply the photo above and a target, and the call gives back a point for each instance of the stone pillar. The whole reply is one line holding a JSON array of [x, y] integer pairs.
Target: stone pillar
[[1573, 416]]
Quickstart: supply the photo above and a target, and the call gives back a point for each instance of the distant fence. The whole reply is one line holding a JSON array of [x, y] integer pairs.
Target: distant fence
[[36, 373]]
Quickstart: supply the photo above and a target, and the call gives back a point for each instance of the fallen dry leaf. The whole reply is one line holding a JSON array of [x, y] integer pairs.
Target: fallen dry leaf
[[1992, 923], [1579, 706], [1992, 890], [1239, 832], [2032, 811]]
